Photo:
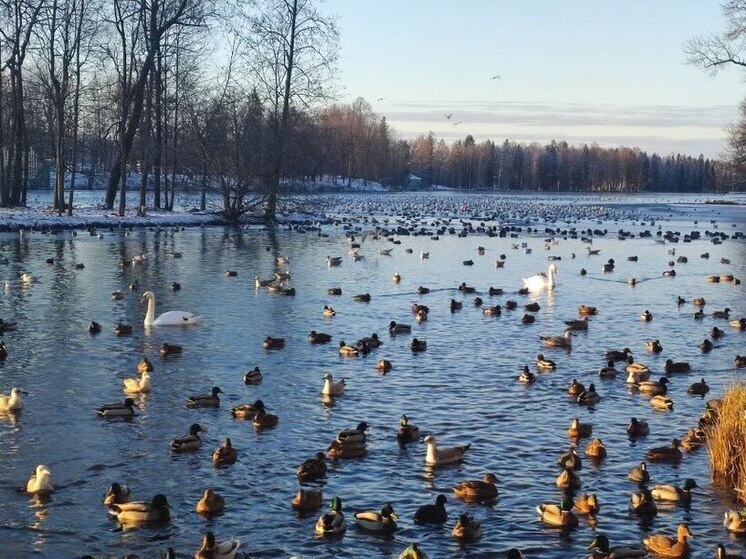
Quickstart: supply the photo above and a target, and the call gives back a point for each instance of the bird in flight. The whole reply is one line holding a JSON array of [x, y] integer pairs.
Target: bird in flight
[[457, 123], [496, 77], [380, 99], [448, 116]]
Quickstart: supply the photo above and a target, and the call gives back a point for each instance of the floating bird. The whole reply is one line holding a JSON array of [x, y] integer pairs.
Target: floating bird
[[734, 522], [170, 349], [432, 514], [637, 427], [11, 402], [467, 528], [641, 503], [601, 550], [188, 442], [437, 456], [665, 453], [540, 282], [578, 429], [170, 318], [477, 490], [413, 551], [224, 455], [586, 505], [668, 546], [332, 388], [313, 468], [125, 409], [212, 549], [333, 522], [674, 493], [211, 400], [142, 512], [133, 385], [407, 432], [40, 483], [558, 515], [210, 503]]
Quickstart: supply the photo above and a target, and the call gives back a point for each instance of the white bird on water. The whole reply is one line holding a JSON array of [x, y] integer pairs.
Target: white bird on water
[[540, 282], [436, 456], [170, 318]]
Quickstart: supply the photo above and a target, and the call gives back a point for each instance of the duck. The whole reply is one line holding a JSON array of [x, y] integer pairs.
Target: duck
[[699, 388], [654, 346], [133, 385], [142, 512], [328, 312], [396, 278], [247, 411], [492, 311], [283, 276], [544, 364], [637, 427], [699, 314], [353, 436], [706, 346], [568, 479], [596, 449], [438, 456], [601, 550], [653, 387], [609, 371], [636, 367], [532, 307], [407, 432], [395, 328], [262, 419], [413, 551], [312, 469], [212, 549], [123, 329], [570, 460], [211, 400], [467, 528], [224, 455], [94, 327], [334, 291], [418, 345], [589, 397], [230, 273], [558, 515], [116, 494], [740, 323], [384, 365], [259, 283], [362, 298], [332, 523], [581, 324], [640, 473], [647, 316], [117, 295], [509, 304], [373, 521], [372, 341], [614, 355], [423, 290], [466, 288], [720, 553], [432, 514], [333, 261], [273, 343], [667, 546], [674, 493], [170, 349], [528, 319], [319, 337], [693, 439], [642, 504], [40, 482], [586, 505], [144, 365], [254, 376], [716, 333], [210, 503], [669, 453], [526, 376], [577, 429], [307, 499], [170, 318], [188, 442], [332, 388], [661, 402], [699, 302], [587, 310], [739, 362], [677, 366], [477, 490], [564, 341], [12, 402], [540, 282], [125, 409], [734, 522]]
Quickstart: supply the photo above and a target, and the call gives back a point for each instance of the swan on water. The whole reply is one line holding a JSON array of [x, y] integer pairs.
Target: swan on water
[[170, 318], [542, 281]]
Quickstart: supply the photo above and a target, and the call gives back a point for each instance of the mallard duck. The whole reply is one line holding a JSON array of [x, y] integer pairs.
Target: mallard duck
[[348, 350], [596, 449], [564, 341], [661, 402], [693, 439], [247, 411], [494, 291], [12, 402], [477, 490], [576, 388], [372, 341], [170, 349], [558, 515], [716, 333], [141, 512], [636, 367], [609, 371], [589, 397], [706, 346], [413, 551], [224, 455], [669, 273], [492, 311], [647, 316], [739, 323], [210, 503], [467, 528], [568, 479], [423, 290], [407, 432], [334, 291], [669, 453], [231, 273], [313, 468], [437, 456], [699, 314], [372, 521], [720, 553], [466, 288], [432, 514], [144, 366], [570, 460], [639, 474], [117, 494], [526, 376], [328, 312], [654, 346], [581, 324], [668, 546], [677, 367], [637, 427], [319, 337], [642, 504], [699, 302], [586, 310], [739, 362], [545, 364], [273, 343], [601, 548], [211, 549], [528, 319], [133, 385], [332, 388], [334, 261], [586, 505], [577, 429], [734, 522], [352, 436], [125, 409], [614, 355], [259, 283], [395, 328], [509, 304], [362, 298], [418, 345], [384, 365], [40, 482], [188, 442], [721, 314], [262, 419], [123, 329], [254, 376], [653, 387], [674, 493], [699, 388], [307, 499], [211, 400], [396, 278], [532, 307]]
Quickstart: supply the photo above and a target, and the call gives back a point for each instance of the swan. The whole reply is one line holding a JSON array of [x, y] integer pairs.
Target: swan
[[539, 282], [170, 318]]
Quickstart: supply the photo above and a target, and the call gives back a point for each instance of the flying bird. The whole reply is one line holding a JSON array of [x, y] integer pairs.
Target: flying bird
[[448, 116], [457, 123], [380, 99], [496, 77]]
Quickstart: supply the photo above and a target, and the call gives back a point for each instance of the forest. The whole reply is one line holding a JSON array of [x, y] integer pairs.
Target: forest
[[239, 98]]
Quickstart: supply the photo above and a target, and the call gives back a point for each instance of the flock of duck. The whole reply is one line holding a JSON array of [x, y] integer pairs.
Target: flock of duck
[[352, 443]]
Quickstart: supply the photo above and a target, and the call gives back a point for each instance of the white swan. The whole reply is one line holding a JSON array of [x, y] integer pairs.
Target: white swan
[[41, 481], [170, 318], [12, 402], [137, 386], [539, 282]]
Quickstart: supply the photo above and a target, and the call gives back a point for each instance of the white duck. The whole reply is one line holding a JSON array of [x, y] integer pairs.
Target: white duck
[[137, 386], [539, 282], [332, 388], [436, 456], [11, 402], [41, 481], [170, 318]]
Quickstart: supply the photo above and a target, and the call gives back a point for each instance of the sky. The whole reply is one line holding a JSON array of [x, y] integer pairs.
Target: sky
[[612, 72]]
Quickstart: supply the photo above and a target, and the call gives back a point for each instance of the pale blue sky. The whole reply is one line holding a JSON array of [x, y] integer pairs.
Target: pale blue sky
[[608, 71]]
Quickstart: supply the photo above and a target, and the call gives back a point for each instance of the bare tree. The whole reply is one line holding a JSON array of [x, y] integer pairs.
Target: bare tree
[[715, 51]]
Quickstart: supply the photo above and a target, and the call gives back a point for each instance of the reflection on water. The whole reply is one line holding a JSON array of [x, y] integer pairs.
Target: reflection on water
[[463, 389]]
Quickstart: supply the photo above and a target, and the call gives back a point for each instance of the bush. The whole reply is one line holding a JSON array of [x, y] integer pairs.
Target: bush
[[726, 440]]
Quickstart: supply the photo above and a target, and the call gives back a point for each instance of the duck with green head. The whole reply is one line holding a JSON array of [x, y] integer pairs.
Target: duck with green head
[[333, 522], [372, 521], [673, 492], [142, 512], [407, 432], [602, 550]]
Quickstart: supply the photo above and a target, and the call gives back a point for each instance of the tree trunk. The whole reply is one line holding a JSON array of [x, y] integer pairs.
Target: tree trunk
[[157, 144]]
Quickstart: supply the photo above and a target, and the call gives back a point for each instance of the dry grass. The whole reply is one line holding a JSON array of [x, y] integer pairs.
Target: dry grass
[[726, 440]]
